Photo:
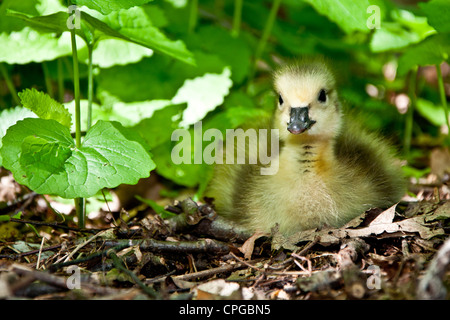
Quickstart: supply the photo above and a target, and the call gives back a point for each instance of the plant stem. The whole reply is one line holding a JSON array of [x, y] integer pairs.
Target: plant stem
[[193, 13], [90, 87], [265, 36], [79, 202], [410, 114], [60, 81], [9, 84], [48, 81], [237, 18], [76, 89], [267, 29], [442, 94]]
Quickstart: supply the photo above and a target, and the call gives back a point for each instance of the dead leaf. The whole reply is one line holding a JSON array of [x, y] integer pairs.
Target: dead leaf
[[440, 162], [249, 244]]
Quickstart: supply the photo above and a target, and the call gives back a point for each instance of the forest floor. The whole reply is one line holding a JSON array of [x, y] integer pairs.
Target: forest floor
[[396, 253]]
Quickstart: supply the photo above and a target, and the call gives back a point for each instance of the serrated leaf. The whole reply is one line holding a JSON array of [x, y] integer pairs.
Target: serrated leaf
[[433, 113], [131, 25], [437, 12], [41, 155], [28, 45], [433, 50], [10, 117], [349, 15], [108, 6], [135, 25], [45, 107], [111, 52], [202, 95]]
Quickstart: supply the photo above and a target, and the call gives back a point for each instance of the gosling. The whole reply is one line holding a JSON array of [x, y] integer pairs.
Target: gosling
[[330, 169]]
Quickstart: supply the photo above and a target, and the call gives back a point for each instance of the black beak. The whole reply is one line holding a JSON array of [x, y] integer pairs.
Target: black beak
[[299, 120]]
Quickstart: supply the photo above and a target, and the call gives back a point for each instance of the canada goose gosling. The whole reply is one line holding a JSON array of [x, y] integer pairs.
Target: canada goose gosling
[[330, 170]]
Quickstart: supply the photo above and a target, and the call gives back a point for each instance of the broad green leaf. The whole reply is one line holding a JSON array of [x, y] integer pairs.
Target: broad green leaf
[[437, 12], [9, 117], [349, 15], [158, 128], [203, 94], [108, 6], [45, 107], [28, 45], [156, 207], [130, 25], [135, 25], [234, 52], [405, 30], [431, 51], [433, 113], [111, 52], [42, 155]]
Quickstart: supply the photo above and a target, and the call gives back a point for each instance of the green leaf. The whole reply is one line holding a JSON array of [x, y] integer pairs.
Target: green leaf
[[203, 94], [437, 12], [135, 25], [111, 52], [28, 45], [433, 113], [45, 107], [42, 155], [349, 15], [108, 6], [131, 25], [156, 207], [431, 51], [405, 30], [10, 117]]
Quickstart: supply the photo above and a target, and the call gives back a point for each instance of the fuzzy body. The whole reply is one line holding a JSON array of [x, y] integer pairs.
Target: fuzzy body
[[327, 175]]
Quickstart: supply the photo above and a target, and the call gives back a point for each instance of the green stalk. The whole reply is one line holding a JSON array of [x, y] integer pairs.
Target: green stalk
[[48, 80], [267, 29], [193, 13], [60, 81], [442, 94], [9, 84], [79, 202], [90, 87], [237, 16], [410, 114], [265, 36]]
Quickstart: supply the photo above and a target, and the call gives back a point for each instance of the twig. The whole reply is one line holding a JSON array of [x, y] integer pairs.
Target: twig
[[54, 280], [52, 224], [119, 265], [200, 246], [40, 251], [28, 253], [83, 244]]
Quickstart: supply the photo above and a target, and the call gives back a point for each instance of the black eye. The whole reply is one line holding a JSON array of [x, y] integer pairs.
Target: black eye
[[280, 99], [322, 96]]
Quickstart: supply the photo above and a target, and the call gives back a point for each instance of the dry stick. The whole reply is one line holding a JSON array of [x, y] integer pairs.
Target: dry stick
[[213, 271], [200, 246], [28, 253], [40, 251], [119, 265], [52, 224], [83, 244], [54, 280]]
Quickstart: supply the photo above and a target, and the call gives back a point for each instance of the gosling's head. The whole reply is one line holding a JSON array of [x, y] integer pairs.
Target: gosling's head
[[308, 105]]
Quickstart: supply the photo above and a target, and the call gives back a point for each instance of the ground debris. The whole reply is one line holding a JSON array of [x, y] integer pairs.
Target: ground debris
[[383, 254]]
